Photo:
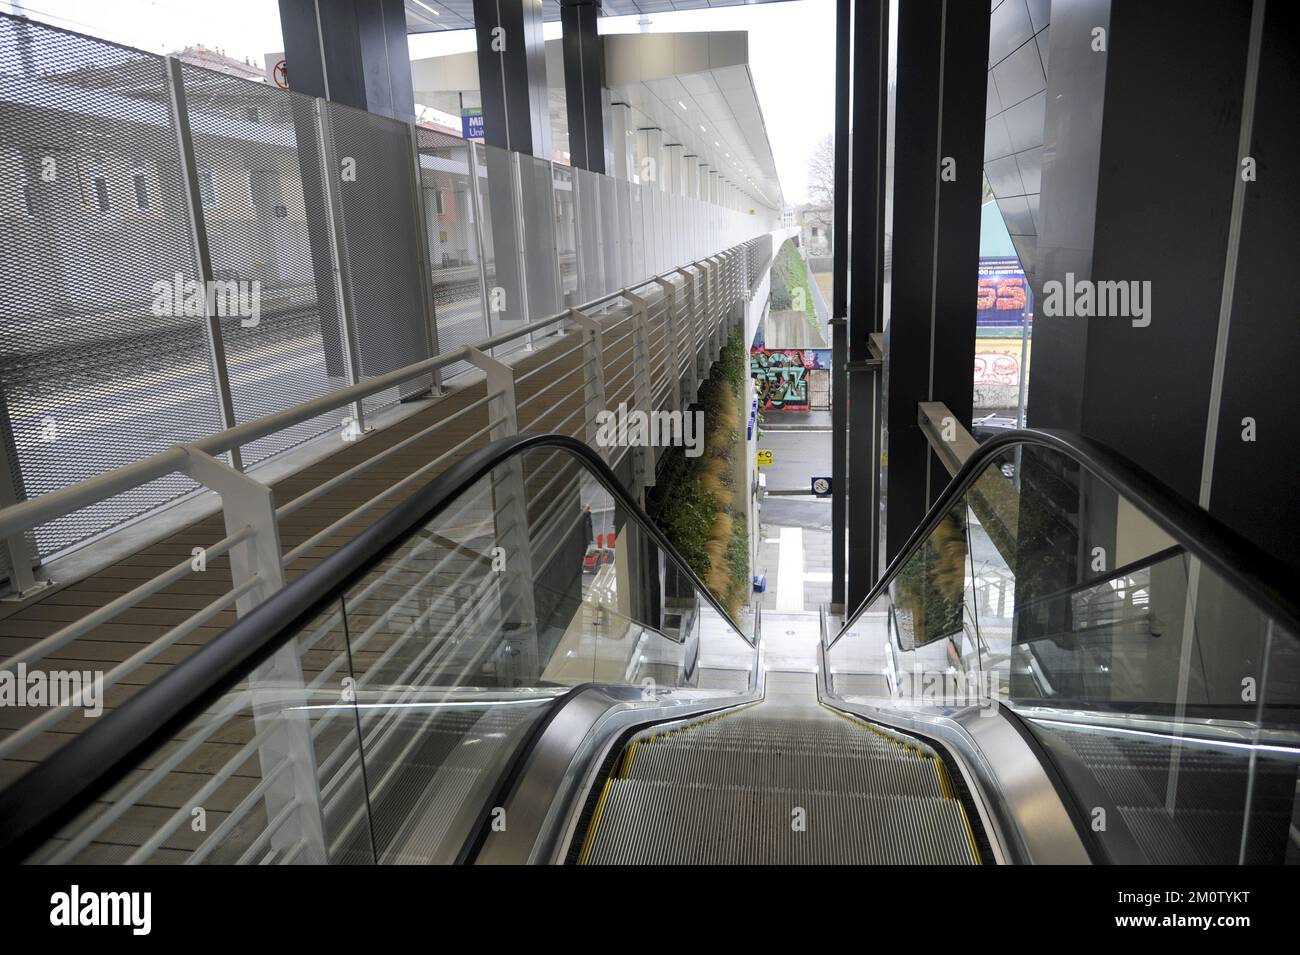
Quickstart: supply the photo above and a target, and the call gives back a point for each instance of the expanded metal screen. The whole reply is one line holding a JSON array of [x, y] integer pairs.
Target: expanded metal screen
[[101, 362], [344, 245], [377, 212], [452, 237], [259, 170]]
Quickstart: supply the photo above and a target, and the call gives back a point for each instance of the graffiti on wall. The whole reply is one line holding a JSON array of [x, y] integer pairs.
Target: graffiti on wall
[[781, 376], [996, 368]]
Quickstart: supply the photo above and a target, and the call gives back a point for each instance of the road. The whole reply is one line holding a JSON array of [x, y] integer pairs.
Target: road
[[795, 549]]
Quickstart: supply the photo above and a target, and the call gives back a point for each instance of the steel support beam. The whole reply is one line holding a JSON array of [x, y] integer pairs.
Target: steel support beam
[[584, 83]]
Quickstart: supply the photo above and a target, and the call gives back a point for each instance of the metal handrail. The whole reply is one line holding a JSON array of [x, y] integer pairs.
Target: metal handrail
[[1241, 563], [53, 792]]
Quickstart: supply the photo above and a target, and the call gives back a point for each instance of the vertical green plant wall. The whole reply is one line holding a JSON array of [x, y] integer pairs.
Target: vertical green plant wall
[[699, 502]]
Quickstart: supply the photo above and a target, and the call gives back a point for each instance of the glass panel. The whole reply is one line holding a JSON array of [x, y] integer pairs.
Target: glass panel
[[1167, 700], [270, 773], [379, 732]]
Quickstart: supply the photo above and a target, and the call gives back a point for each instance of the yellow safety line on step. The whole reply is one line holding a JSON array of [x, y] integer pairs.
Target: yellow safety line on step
[[595, 824], [950, 792], [625, 766], [946, 787], [629, 754]]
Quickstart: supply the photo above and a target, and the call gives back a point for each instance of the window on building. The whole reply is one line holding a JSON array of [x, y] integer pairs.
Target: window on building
[[207, 188], [99, 195], [439, 202], [251, 114], [140, 185]]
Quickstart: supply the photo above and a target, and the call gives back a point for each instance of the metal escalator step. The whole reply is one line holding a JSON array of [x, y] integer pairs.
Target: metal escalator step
[[653, 822], [810, 771]]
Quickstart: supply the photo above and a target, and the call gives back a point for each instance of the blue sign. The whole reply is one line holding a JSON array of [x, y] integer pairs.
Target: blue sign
[[471, 125]]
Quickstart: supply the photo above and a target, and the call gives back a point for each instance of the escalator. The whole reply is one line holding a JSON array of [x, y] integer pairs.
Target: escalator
[[784, 782], [1064, 664]]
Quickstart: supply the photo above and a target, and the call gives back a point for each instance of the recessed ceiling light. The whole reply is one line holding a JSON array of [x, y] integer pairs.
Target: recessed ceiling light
[[681, 104], [427, 7], [703, 130]]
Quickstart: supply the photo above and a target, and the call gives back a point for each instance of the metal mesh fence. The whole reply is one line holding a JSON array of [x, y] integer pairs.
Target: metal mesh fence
[[377, 211], [102, 362], [452, 238], [342, 245], [257, 158]]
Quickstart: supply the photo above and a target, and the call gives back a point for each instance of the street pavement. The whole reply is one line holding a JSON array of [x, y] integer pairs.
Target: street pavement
[[795, 546]]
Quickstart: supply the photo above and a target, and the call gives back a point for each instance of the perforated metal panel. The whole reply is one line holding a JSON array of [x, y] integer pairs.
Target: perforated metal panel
[[100, 366], [377, 211], [259, 169], [453, 241]]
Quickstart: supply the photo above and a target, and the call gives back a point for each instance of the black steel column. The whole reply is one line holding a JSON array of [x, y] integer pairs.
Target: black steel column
[[350, 51], [1199, 389], [512, 75], [870, 62], [941, 81], [839, 307], [516, 119], [584, 83]]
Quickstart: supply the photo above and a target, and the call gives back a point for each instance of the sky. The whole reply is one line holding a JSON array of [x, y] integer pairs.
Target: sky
[[791, 51]]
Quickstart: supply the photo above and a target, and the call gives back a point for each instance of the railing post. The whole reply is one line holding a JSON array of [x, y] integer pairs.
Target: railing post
[[708, 308], [672, 350], [643, 389], [692, 290], [429, 306], [593, 363], [510, 511], [17, 548], [277, 687], [199, 249], [339, 265]]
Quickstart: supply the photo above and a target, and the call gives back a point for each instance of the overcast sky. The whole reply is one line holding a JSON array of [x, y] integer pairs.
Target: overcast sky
[[791, 51]]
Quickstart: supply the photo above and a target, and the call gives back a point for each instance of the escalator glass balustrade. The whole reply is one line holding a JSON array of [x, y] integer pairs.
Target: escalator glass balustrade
[[378, 725], [1165, 694]]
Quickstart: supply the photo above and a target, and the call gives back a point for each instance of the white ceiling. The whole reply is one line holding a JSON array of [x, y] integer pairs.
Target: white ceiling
[[696, 87], [721, 123], [426, 16]]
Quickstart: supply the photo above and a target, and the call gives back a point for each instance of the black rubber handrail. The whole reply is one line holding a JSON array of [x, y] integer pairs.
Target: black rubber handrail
[[34, 808], [1250, 570]]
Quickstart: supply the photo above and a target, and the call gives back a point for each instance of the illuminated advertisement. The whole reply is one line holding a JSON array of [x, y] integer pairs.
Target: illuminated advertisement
[[1003, 293]]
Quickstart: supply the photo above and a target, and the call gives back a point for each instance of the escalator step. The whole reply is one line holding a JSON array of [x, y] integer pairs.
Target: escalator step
[[649, 822], [819, 771]]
